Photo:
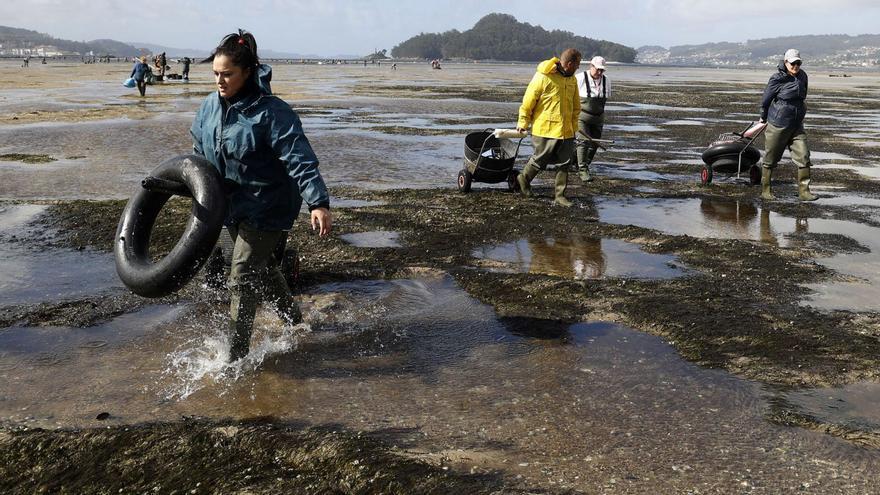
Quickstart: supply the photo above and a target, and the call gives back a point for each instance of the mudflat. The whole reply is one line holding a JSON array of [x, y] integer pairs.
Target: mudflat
[[662, 335]]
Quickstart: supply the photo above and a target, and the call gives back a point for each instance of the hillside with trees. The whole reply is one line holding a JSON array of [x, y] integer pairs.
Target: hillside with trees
[[502, 37], [835, 50], [13, 40]]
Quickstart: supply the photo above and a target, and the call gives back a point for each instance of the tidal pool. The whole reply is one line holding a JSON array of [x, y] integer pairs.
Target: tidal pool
[[857, 291], [439, 372], [32, 273], [579, 258]]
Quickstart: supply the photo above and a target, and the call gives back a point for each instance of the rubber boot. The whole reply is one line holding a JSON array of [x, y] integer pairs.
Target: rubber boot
[[279, 293], [243, 308], [240, 339], [525, 180], [766, 174], [584, 173], [804, 193], [561, 183]]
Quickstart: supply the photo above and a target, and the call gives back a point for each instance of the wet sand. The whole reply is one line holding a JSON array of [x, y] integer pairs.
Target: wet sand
[[661, 336]]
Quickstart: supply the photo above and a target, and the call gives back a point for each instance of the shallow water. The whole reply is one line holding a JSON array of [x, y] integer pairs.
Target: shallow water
[[727, 219], [377, 239], [423, 359], [33, 274], [580, 258]]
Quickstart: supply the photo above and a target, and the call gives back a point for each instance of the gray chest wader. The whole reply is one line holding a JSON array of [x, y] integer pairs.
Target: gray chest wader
[[590, 122]]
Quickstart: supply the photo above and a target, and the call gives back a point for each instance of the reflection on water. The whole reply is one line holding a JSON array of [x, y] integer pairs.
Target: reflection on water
[[727, 219], [421, 356], [580, 258], [375, 239], [32, 274], [856, 405]]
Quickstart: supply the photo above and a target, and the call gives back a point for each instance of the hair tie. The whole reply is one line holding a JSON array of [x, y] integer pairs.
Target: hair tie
[[240, 40]]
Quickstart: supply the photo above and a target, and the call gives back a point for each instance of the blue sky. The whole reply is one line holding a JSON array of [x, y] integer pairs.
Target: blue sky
[[331, 27]]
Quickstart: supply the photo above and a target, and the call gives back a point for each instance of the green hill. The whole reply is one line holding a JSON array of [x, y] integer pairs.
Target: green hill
[[502, 37], [17, 39]]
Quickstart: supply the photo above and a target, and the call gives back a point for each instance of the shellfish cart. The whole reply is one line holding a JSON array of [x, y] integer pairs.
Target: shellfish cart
[[733, 153], [488, 159]]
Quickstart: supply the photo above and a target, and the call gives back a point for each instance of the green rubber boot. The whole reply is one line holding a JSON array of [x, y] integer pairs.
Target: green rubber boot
[[243, 307], [525, 180], [804, 193], [584, 173], [561, 184], [766, 174]]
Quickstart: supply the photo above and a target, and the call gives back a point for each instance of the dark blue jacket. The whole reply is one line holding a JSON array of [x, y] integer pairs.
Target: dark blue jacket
[[258, 145], [139, 71], [783, 103]]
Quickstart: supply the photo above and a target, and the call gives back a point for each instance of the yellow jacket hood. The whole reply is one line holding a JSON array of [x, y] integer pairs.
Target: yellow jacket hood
[[548, 67]]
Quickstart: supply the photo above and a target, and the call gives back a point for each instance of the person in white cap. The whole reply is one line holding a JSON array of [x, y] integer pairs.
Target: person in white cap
[[594, 91], [783, 109]]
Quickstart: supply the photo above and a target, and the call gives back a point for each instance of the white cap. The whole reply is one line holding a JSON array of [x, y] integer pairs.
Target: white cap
[[792, 55], [598, 62]]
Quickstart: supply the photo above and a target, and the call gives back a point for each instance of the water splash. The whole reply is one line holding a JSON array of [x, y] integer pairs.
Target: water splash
[[203, 361]]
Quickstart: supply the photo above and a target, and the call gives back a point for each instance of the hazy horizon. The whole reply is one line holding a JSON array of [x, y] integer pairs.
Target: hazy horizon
[[357, 27]]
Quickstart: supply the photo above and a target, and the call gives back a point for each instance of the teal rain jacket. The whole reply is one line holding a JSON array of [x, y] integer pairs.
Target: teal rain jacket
[[258, 145]]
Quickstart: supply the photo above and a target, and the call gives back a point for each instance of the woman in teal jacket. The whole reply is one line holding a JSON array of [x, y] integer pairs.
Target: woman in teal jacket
[[256, 142]]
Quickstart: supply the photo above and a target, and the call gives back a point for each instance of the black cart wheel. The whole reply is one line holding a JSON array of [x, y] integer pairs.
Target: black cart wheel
[[464, 181], [512, 183], [706, 174], [755, 175]]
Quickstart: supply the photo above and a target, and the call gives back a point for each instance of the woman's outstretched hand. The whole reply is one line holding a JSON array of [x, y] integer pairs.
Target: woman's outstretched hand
[[322, 221]]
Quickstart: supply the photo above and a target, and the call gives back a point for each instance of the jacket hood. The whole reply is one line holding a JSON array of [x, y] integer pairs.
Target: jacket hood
[[782, 68], [263, 77], [548, 67]]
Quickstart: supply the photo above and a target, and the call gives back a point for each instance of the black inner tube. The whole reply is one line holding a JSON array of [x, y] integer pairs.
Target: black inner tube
[[188, 175]]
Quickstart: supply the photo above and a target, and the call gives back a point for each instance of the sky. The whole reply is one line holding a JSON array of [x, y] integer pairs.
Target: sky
[[357, 27]]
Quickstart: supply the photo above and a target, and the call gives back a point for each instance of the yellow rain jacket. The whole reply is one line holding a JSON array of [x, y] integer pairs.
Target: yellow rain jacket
[[551, 103]]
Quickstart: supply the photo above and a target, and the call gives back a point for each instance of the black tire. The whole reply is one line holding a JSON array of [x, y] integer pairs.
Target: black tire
[[731, 150], [512, 183], [132, 245], [464, 181], [755, 175], [706, 175]]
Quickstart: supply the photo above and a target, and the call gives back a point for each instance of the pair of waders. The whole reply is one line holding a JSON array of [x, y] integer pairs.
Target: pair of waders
[[548, 151], [254, 276], [590, 123], [776, 140]]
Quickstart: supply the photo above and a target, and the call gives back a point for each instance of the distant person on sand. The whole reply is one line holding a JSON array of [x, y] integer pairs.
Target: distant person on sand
[[186, 62], [594, 91], [550, 108], [26, 62], [256, 142], [139, 74], [160, 65], [783, 109]]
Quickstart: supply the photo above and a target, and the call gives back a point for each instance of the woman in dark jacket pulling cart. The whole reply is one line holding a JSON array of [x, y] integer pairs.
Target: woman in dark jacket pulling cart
[[783, 108], [256, 142]]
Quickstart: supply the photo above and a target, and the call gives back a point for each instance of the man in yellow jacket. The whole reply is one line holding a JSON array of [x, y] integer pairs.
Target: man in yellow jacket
[[550, 107]]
